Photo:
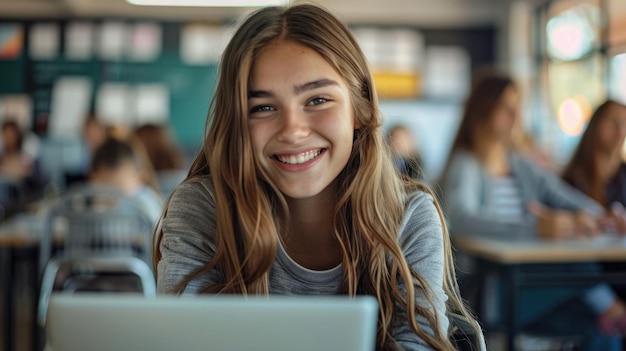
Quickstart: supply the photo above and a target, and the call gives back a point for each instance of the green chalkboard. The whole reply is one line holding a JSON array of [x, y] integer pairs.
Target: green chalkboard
[[190, 87], [11, 77]]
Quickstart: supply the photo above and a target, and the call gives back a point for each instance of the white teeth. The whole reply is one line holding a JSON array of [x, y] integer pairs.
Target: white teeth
[[299, 158]]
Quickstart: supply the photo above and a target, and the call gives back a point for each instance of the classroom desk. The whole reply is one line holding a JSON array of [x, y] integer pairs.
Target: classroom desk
[[17, 244], [508, 257]]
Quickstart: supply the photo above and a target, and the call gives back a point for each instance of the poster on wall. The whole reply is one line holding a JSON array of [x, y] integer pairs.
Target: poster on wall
[[152, 104], [11, 41], [395, 56], [146, 42], [79, 40], [448, 72], [112, 40], [44, 41], [203, 44], [114, 104], [71, 97]]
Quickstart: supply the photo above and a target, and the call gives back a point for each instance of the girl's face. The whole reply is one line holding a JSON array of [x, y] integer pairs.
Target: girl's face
[[300, 119], [612, 130], [504, 115]]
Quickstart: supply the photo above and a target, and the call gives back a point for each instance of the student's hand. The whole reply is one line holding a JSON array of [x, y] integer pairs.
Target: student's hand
[[619, 224], [615, 220], [553, 224], [586, 225]]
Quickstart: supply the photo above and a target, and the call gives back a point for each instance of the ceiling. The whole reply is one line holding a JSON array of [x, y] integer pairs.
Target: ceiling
[[430, 13]]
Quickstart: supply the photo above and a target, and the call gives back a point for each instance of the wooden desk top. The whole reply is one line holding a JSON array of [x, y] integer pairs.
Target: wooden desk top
[[17, 239], [604, 248], [21, 231]]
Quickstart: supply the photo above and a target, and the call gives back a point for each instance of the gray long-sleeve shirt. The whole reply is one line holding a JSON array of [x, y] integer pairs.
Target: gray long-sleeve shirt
[[188, 243]]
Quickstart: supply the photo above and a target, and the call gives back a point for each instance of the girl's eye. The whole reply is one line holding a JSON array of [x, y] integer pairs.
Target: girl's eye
[[262, 108], [317, 101]]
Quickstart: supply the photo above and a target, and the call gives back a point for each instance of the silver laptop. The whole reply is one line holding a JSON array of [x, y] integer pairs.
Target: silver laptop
[[99, 322]]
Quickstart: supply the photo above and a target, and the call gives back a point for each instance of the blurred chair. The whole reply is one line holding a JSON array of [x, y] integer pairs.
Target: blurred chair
[[169, 180], [95, 239], [465, 336]]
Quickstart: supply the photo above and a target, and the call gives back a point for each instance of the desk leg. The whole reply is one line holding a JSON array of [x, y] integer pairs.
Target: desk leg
[[8, 314], [511, 300], [34, 269], [5, 286]]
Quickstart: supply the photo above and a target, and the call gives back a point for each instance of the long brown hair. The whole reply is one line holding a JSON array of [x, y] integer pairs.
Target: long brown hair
[[581, 170], [251, 212], [479, 107]]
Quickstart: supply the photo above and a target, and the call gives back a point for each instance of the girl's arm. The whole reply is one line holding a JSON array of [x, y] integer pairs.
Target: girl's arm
[[555, 192], [421, 240], [188, 237]]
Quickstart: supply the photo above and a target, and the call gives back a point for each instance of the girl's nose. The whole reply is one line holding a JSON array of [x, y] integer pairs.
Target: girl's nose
[[294, 126]]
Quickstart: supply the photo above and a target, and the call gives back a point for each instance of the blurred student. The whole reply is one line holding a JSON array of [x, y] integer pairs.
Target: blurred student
[[92, 136], [165, 156], [597, 166], [115, 164], [490, 190], [406, 155], [125, 133], [294, 191], [526, 145], [22, 180], [15, 164]]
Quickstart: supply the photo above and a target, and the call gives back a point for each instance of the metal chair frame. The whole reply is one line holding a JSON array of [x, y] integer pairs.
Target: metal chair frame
[[103, 233]]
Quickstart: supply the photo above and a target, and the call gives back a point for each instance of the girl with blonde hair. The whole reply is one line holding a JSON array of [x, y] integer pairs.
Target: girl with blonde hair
[[295, 192]]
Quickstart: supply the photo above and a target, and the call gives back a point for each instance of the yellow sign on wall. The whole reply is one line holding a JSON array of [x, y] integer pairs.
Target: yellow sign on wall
[[397, 85]]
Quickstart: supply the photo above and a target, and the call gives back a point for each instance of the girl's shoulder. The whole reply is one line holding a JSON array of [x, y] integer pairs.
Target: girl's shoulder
[[202, 184], [464, 159], [420, 209], [193, 192], [421, 226]]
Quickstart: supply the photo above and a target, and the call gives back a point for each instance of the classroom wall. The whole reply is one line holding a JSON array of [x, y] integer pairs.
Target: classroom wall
[[433, 120]]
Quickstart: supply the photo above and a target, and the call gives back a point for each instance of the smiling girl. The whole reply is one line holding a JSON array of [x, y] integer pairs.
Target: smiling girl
[[295, 192]]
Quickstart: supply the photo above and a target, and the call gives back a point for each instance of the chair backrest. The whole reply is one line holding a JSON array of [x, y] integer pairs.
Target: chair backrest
[[467, 336], [96, 221]]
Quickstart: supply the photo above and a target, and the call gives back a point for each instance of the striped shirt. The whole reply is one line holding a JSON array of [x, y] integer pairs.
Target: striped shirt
[[506, 198]]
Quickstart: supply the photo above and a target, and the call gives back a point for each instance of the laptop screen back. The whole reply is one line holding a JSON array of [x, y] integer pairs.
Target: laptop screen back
[[99, 322]]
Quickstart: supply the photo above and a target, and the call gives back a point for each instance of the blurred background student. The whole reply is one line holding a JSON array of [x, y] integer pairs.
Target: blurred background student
[[490, 190], [94, 134], [21, 178], [116, 164], [164, 154], [15, 164], [597, 167], [405, 152]]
